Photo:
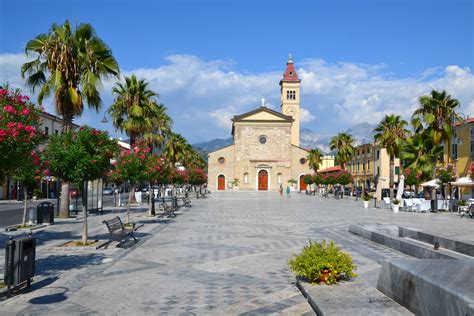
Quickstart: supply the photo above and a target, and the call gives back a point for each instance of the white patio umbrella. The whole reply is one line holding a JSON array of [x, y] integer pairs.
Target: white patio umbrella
[[401, 187], [432, 183], [463, 182]]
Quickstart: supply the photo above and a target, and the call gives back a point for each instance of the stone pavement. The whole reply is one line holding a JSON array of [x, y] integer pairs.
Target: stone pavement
[[226, 255]]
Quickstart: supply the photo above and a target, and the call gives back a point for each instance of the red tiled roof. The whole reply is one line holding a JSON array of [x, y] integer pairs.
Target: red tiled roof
[[468, 120], [330, 169], [290, 72]]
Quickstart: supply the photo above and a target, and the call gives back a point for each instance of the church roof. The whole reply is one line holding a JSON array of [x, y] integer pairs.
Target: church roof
[[246, 117], [290, 72]]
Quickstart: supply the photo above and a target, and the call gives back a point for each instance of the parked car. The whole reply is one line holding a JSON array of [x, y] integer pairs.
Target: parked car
[[74, 193], [108, 191]]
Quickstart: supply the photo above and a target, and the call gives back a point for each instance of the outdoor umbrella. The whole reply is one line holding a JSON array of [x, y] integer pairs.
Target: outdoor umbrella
[[432, 183]]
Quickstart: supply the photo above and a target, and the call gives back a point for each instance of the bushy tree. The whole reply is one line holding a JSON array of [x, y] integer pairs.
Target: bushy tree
[[80, 156], [131, 165]]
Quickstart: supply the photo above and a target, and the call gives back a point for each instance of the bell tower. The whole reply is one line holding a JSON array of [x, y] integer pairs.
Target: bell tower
[[290, 99]]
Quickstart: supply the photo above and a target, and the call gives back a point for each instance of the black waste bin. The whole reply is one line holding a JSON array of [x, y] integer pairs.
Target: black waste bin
[[19, 261], [45, 213]]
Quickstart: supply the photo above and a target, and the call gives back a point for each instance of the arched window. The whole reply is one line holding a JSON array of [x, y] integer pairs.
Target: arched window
[[221, 160], [279, 178], [246, 178], [288, 95]]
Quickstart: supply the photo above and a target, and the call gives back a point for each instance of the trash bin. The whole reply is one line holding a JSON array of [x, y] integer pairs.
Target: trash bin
[[45, 213], [19, 261]]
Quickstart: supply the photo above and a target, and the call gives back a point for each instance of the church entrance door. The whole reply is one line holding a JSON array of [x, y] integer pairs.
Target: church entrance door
[[302, 184], [262, 180], [221, 182]]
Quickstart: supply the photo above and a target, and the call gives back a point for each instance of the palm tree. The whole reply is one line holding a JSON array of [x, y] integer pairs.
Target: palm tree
[[343, 143], [390, 134], [418, 153], [437, 112], [176, 149], [136, 112], [70, 64], [314, 159]]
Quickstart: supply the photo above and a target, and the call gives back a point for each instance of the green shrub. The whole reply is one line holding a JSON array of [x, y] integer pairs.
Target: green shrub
[[317, 257], [36, 192]]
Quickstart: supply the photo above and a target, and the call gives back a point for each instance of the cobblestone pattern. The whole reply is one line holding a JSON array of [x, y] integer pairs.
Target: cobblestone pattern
[[226, 255]]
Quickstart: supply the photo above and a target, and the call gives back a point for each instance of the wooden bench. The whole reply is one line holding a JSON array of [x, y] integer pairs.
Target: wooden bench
[[117, 231]]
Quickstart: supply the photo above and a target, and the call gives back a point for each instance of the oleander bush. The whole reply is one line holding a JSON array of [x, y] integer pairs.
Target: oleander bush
[[323, 261]]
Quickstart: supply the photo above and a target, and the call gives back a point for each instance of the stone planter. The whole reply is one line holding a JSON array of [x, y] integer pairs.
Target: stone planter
[[395, 208], [366, 204]]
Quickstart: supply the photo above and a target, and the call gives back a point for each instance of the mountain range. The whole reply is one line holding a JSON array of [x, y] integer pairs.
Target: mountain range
[[362, 133]]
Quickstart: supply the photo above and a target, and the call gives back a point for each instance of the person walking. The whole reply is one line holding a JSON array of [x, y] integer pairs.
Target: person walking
[[281, 190], [288, 191]]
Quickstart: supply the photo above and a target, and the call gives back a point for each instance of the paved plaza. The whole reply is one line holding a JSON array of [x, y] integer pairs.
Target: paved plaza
[[227, 254]]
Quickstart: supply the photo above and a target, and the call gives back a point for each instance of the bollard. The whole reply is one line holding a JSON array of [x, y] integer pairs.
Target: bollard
[[31, 216]]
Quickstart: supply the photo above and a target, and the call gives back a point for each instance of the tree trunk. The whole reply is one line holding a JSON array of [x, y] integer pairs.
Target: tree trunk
[[392, 172], [131, 193], [64, 209], [25, 202], [151, 201], [84, 226], [84, 213]]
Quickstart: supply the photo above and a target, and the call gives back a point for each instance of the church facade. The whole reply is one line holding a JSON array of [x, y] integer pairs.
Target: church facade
[[265, 153]]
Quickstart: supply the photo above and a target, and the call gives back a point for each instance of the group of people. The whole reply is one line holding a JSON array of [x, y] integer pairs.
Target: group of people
[[287, 191]]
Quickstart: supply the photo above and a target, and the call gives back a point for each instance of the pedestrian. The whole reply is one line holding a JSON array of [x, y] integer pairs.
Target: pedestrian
[[288, 191], [281, 190]]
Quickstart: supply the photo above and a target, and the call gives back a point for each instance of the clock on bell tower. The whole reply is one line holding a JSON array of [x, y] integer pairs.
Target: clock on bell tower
[[290, 99]]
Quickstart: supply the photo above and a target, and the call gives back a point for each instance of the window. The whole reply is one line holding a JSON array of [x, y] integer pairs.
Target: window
[[221, 160], [363, 166], [397, 170], [358, 165], [46, 130], [378, 171], [368, 165], [279, 178], [56, 132], [302, 161], [454, 148], [368, 150], [291, 95], [472, 145], [246, 178], [287, 95], [378, 154], [262, 139], [291, 73]]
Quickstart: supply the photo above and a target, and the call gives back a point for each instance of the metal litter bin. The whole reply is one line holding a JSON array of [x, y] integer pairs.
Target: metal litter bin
[[45, 213], [19, 261]]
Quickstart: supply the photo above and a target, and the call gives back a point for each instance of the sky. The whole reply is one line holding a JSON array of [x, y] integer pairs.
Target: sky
[[209, 60]]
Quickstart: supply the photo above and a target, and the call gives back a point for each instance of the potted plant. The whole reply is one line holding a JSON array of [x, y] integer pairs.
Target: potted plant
[[366, 198], [36, 194], [396, 205], [235, 184], [322, 262]]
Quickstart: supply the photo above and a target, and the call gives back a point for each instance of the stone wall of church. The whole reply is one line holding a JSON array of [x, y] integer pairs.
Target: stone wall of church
[[298, 168], [216, 168], [252, 156]]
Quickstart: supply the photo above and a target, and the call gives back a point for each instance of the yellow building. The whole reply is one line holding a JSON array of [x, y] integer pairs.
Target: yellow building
[[370, 163], [462, 152]]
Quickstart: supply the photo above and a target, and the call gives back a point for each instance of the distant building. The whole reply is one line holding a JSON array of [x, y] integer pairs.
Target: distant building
[[371, 162], [265, 153]]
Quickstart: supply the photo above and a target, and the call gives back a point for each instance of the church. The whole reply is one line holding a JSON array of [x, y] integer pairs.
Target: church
[[265, 153]]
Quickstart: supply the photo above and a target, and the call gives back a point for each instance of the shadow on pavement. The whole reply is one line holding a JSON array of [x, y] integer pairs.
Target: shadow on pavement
[[53, 264]]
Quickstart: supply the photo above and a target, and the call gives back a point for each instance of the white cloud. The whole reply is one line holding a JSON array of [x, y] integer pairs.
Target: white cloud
[[334, 95], [306, 116]]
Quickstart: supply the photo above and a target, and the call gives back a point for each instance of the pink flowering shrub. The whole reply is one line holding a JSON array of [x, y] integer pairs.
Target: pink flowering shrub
[[19, 130]]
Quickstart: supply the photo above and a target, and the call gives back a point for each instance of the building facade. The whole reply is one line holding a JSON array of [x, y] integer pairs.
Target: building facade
[[265, 154]]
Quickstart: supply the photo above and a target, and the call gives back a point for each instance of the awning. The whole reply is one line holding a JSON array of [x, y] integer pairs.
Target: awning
[[463, 182], [432, 183]]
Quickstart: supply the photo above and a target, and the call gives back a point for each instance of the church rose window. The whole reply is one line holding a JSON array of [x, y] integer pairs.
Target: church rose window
[[262, 139], [221, 160], [303, 161]]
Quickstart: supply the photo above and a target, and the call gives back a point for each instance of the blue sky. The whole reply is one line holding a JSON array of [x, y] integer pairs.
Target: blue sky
[[209, 60]]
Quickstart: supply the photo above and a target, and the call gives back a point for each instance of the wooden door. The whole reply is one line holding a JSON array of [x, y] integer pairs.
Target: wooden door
[[302, 184], [221, 182], [262, 180]]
